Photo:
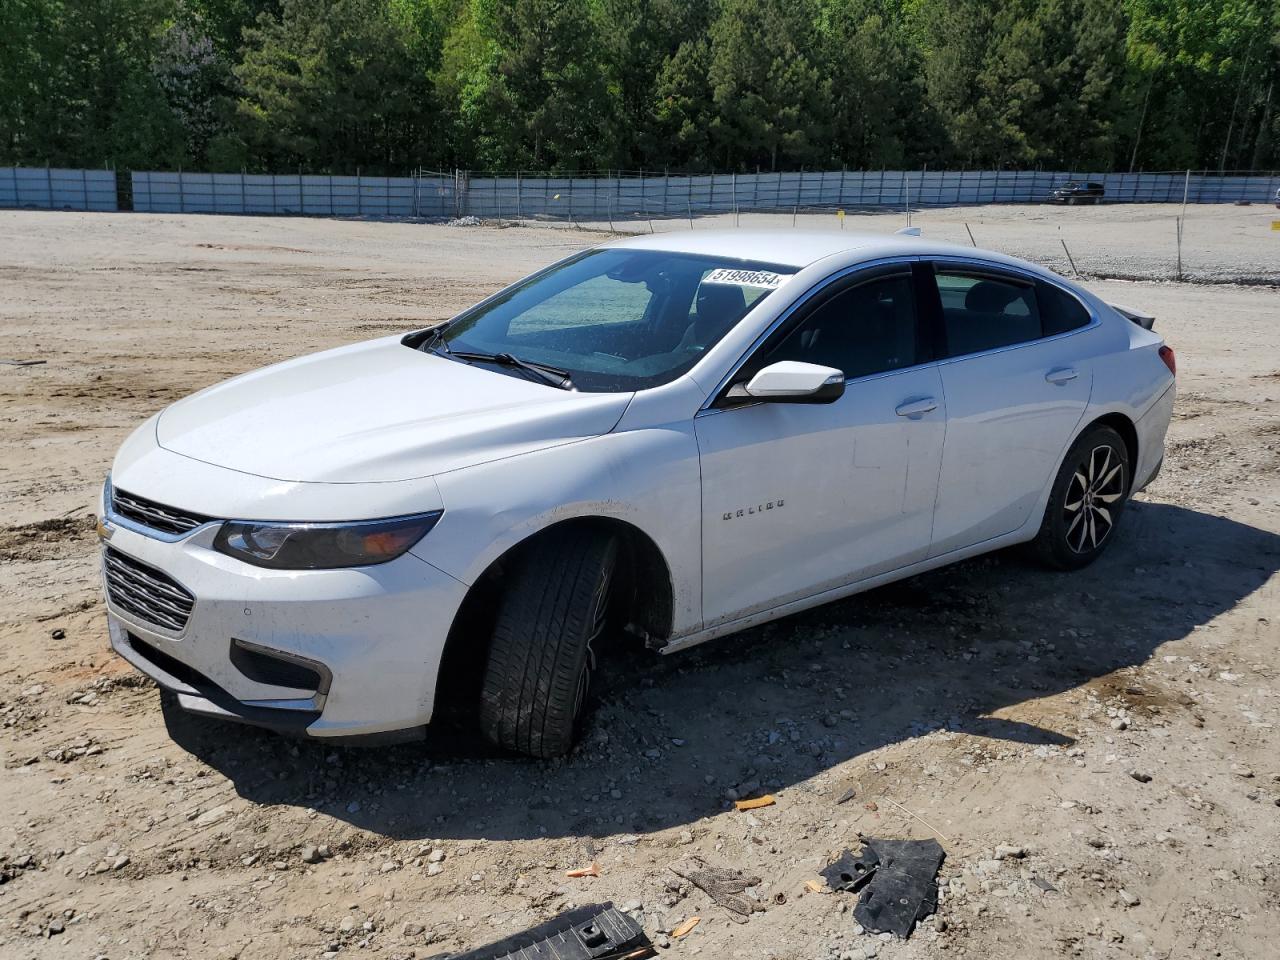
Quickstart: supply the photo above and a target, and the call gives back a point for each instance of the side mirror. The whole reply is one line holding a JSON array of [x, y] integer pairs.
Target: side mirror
[[790, 381]]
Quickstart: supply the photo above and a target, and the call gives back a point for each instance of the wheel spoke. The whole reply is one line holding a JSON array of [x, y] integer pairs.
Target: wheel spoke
[[1107, 497], [1093, 530], [1072, 507], [1104, 514], [1106, 481], [1079, 521], [1094, 476]]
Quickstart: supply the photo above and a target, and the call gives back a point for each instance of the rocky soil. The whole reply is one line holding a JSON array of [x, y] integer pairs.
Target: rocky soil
[[1096, 752]]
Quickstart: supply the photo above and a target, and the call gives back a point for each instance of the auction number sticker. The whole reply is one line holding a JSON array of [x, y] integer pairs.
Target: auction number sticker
[[746, 278]]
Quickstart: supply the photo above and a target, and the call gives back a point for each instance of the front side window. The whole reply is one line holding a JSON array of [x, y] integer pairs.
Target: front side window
[[616, 320], [981, 312], [865, 329]]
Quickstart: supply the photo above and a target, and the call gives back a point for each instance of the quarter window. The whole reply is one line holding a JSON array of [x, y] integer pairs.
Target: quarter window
[[1059, 310], [866, 329]]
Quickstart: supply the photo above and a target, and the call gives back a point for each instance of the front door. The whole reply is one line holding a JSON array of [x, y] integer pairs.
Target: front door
[[802, 498]]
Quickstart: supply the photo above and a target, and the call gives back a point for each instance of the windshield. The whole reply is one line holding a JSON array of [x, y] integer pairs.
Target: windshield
[[615, 320]]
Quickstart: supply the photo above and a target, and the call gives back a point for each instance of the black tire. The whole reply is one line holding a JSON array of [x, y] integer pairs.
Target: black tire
[[1073, 537], [553, 606]]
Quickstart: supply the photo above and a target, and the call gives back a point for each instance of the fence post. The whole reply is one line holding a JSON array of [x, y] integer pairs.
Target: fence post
[[519, 203], [48, 183], [182, 194]]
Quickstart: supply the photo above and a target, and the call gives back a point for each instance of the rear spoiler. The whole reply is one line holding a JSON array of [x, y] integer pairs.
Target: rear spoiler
[[1144, 320]]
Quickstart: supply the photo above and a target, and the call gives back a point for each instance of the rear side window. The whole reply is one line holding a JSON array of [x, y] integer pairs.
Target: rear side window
[[982, 313], [1059, 310]]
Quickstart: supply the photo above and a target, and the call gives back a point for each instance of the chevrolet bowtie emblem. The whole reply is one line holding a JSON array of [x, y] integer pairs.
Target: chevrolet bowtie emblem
[[105, 530]]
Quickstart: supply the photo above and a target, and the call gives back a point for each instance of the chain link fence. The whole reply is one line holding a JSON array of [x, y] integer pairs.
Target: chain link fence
[[598, 197], [52, 188]]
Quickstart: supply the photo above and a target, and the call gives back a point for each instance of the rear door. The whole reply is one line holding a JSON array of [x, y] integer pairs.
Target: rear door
[[1017, 376]]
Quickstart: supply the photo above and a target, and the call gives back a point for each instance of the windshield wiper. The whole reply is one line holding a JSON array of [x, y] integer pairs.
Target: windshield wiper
[[547, 374], [436, 339]]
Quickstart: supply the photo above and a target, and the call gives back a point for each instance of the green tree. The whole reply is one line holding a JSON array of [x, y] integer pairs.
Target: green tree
[[76, 83], [638, 39], [772, 104], [879, 112], [684, 110], [333, 85]]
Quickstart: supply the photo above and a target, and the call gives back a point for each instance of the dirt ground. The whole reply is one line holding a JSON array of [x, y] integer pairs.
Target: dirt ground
[[988, 705]]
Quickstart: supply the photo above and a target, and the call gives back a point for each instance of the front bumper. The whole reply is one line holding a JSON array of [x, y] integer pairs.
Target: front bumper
[[366, 642]]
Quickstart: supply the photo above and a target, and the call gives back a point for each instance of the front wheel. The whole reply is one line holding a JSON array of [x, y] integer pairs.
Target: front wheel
[[1088, 498], [553, 608]]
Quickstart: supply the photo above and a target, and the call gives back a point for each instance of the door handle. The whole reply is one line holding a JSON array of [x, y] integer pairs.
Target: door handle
[[1061, 375], [916, 408]]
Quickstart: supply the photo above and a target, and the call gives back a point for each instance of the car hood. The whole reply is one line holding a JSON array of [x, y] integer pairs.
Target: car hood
[[377, 412]]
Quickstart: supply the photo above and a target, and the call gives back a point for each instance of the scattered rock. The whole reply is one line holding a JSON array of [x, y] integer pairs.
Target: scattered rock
[[411, 929], [1129, 899], [436, 856], [310, 854], [212, 815], [1140, 776], [1004, 852]]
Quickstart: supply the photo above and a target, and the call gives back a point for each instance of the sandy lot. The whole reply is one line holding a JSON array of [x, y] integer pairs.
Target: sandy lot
[[998, 703]]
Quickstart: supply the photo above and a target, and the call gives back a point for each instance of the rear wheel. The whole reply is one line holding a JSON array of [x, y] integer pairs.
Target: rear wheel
[[1088, 498], [553, 609]]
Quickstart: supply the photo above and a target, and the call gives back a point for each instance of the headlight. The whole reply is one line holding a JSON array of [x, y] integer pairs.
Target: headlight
[[322, 546]]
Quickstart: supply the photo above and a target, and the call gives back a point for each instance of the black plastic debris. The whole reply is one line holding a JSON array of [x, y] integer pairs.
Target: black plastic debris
[[593, 932], [850, 874], [903, 887]]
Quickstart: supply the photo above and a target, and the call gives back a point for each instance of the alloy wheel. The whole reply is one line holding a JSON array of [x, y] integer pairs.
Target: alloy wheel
[[1094, 489]]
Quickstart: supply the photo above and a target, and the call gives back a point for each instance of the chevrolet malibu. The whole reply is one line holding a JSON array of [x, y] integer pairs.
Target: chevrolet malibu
[[673, 438]]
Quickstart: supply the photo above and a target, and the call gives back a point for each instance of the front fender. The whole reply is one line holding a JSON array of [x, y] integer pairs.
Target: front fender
[[648, 478]]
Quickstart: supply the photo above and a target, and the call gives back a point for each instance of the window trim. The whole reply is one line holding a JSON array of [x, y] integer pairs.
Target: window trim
[[794, 314], [996, 271]]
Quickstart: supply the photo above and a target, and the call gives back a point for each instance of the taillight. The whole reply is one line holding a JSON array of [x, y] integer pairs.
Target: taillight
[[1170, 361]]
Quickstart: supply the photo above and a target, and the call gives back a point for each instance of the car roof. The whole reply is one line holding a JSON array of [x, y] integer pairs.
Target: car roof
[[800, 248]]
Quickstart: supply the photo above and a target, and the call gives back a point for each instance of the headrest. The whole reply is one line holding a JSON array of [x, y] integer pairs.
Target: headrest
[[987, 296], [720, 306]]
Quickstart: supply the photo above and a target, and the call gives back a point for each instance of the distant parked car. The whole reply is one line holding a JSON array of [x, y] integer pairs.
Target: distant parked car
[[1277, 198], [1078, 191]]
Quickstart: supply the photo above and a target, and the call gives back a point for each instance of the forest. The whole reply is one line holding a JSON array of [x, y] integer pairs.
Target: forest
[[390, 86]]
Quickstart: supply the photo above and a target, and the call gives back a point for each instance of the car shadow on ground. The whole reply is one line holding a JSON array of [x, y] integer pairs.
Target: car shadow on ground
[[780, 704]]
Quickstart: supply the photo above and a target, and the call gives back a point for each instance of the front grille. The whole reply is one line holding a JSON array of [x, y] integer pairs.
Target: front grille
[[145, 592], [155, 515]]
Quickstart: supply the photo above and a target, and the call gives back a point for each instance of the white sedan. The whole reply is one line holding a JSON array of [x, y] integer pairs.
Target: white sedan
[[673, 438]]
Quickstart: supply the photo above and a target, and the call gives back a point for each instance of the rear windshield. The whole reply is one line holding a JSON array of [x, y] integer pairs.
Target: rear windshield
[[618, 319]]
